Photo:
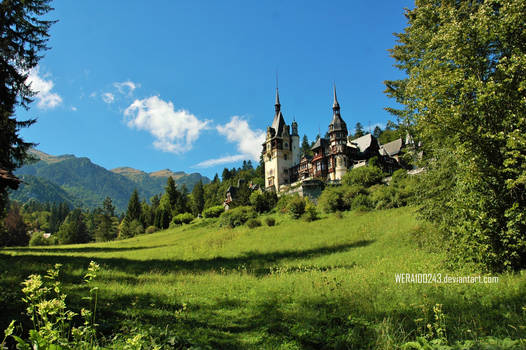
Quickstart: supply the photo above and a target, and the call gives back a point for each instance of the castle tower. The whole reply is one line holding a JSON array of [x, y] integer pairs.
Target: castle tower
[[338, 142], [295, 143], [278, 150]]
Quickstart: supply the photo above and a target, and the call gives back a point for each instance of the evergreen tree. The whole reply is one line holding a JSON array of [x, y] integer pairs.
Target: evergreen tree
[[173, 194], [24, 36], [107, 207], [216, 178], [134, 207], [198, 198], [377, 131], [358, 130], [73, 229]]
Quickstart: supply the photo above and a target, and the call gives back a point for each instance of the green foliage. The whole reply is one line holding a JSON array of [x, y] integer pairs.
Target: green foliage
[[38, 239], [361, 202], [24, 37], [364, 176], [311, 213], [213, 212], [236, 216], [198, 199], [253, 223], [463, 97], [73, 229], [270, 221], [51, 319], [184, 218], [152, 229], [263, 201], [331, 200], [134, 211], [136, 228], [296, 206], [13, 230]]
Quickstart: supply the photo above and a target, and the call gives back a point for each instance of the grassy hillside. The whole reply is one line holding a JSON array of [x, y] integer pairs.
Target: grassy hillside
[[325, 284]]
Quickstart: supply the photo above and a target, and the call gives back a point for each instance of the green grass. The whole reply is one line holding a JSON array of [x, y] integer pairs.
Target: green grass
[[324, 284]]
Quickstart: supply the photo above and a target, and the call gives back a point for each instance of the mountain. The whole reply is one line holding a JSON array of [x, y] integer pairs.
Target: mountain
[[82, 183]]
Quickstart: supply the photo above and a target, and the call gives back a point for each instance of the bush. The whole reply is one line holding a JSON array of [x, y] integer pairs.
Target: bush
[[136, 227], [184, 218], [213, 212], [270, 221], [296, 206], [152, 229], [263, 201], [236, 216], [331, 200], [38, 239], [253, 223], [349, 192], [365, 176], [311, 213], [361, 202], [283, 202]]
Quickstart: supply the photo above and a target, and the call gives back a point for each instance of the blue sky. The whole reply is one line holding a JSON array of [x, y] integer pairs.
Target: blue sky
[[190, 85]]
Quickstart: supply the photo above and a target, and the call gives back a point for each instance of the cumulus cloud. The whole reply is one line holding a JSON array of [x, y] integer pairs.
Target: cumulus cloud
[[108, 97], [126, 87], [174, 131], [248, 142], [46, 99]]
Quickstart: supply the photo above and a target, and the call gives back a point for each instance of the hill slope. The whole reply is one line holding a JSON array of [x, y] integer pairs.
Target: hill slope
[[82, 183], [326, 284]]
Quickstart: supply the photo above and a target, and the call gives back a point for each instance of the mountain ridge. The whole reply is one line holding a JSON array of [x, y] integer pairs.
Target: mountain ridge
[[80, 182]]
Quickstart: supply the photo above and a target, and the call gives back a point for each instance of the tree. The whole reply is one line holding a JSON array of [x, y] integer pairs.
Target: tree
[[464, 98], [171, 191], [198, 198], [305, 146], [377, 131], [358, 130], [73, 229], [23, 37], [14, 232], [134, 207]]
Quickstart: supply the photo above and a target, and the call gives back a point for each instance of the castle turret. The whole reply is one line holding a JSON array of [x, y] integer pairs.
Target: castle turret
[[339, 161], [278, 150], [295, 143]]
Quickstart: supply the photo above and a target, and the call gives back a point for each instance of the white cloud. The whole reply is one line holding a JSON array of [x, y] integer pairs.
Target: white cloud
[[223, 160], [248, 141], [46, 98], [74, 109], [108, 97], [174, 131], [126, 87]]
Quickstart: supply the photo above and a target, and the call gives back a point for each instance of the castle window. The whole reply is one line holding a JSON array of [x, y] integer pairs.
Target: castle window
[[286, 145], [285, 156]]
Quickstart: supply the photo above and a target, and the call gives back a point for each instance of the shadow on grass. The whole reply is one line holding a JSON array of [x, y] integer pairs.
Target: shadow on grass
[[251, 262], [79, 249]]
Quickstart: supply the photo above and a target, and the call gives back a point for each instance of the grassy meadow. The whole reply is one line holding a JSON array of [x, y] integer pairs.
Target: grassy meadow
[[329, 284]]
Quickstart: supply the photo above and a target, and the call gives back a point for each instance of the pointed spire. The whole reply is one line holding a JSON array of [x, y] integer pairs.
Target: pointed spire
[[335, 104], [277, 105]]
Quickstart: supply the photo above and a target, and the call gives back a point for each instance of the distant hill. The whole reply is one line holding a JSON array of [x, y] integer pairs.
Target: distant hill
[[82, 183]]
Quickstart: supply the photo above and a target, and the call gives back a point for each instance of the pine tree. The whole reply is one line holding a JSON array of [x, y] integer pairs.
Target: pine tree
[[134, 207], [198, 198], [358, 130], [24, 36], [173, 194]]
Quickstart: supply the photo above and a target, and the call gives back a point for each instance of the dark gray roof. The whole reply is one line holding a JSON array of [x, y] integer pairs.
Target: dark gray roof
[[337, 123], [320, 142], [278, 124]]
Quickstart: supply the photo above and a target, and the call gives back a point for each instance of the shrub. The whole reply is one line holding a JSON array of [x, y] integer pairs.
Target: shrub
[[349, 192], [38, 239], [184, 218], [311, 213], [361, 202], [270, 221], [253, 223], [283, 202], [331, 200], [338, 215], [213, 212], [296, 206], [152, 229], [365, 176], [263, 201], [136, 227], [236, 216]]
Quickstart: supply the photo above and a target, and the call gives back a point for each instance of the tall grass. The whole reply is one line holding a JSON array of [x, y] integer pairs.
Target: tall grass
[[329, 283]]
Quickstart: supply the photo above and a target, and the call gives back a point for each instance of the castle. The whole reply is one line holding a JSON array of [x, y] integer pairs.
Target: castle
[[331, 157]]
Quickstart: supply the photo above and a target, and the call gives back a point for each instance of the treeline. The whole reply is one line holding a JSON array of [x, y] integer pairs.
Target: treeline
[[36, 223]]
